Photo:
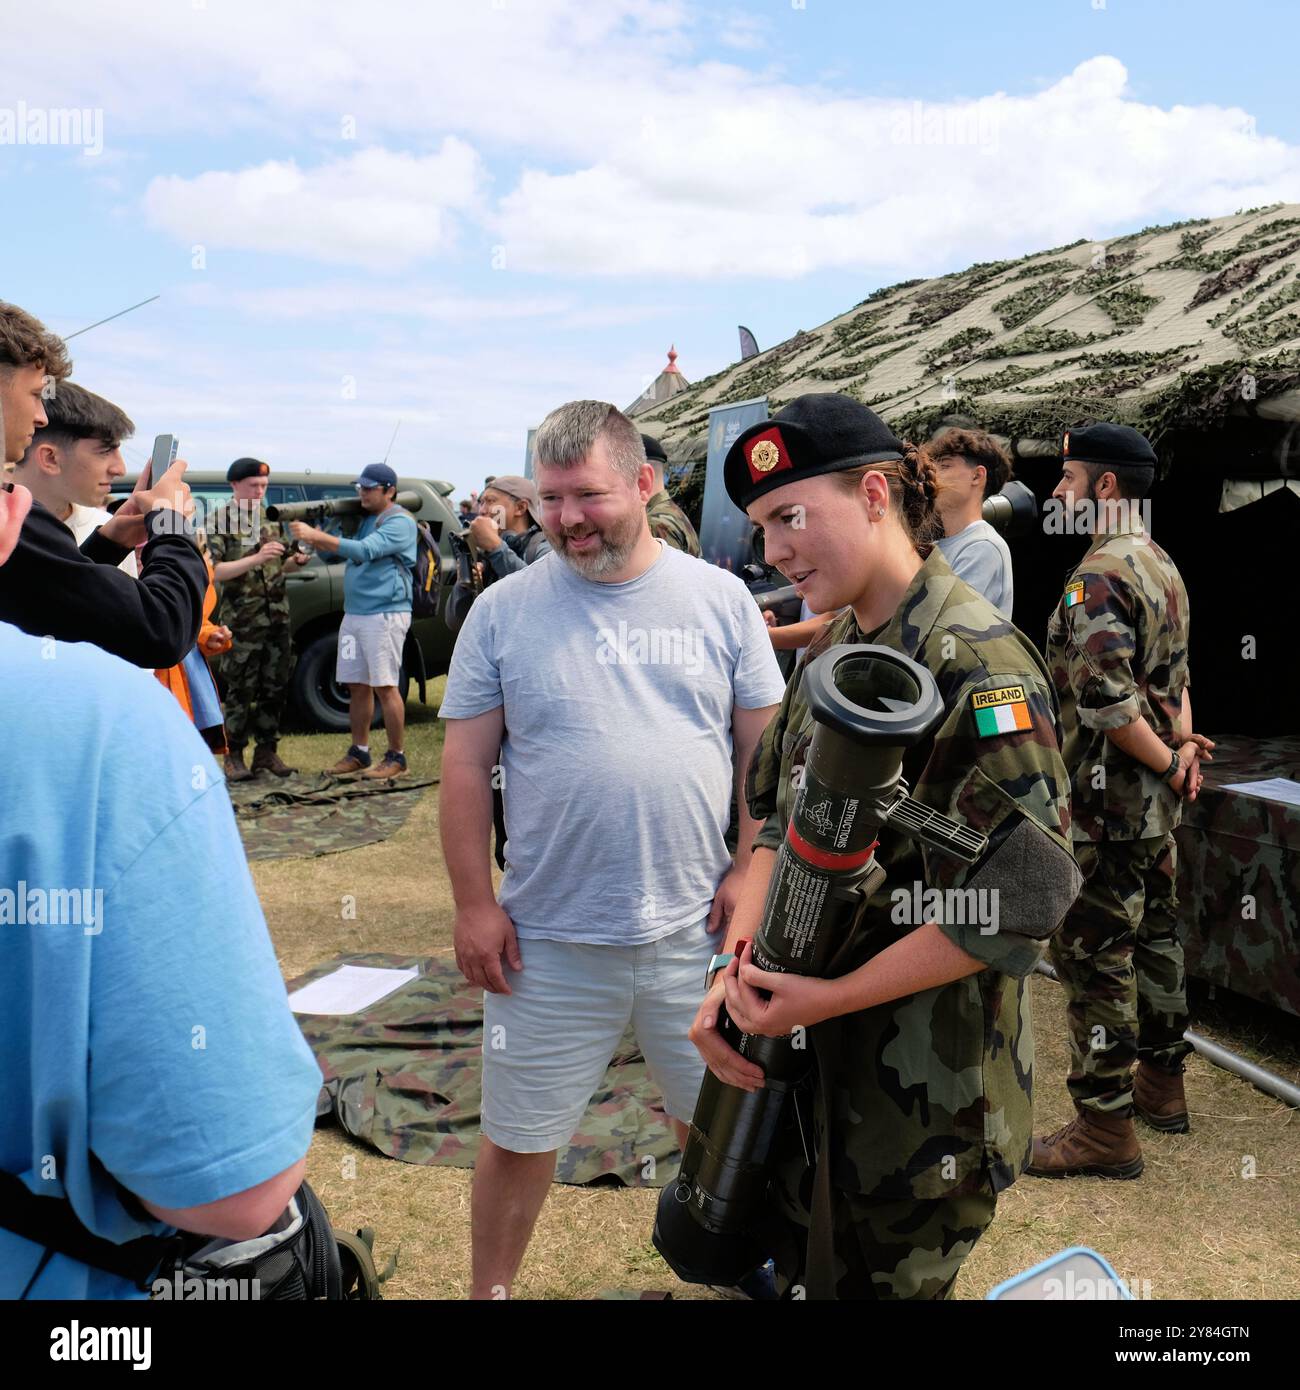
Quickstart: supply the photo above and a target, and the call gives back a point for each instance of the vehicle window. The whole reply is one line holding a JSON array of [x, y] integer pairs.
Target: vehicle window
[[207, 498]]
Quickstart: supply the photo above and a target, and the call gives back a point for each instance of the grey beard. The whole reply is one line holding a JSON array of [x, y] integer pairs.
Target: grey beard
[[611, 556]]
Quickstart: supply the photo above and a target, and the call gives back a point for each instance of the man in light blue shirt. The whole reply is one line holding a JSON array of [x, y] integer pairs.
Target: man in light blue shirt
[[972, 465], [376, 617], [155, 1076]]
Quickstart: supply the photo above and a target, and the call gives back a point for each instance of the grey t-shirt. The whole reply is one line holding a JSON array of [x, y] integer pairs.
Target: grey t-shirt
[[980, 556], [617, 760]]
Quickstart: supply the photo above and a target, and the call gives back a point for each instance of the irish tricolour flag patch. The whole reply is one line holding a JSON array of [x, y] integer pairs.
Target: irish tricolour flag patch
[[1074, 594], [1001, 711]]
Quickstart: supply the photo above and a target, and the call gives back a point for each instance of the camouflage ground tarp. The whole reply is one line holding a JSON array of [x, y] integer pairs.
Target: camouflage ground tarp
[[1239, 875], [284, 817], [403, 1076]]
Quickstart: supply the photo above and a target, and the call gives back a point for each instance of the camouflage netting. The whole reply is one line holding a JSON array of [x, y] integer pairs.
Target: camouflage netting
[[404, 1077], [1168, 329]]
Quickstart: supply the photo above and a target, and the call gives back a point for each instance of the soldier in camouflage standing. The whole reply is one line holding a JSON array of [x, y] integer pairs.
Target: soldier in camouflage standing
[[250, 563], [924, 1047], [667, 520], [1117, 648]]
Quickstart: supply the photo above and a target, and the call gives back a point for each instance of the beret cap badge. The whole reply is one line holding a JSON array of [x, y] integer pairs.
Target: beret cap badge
[[765, 456]]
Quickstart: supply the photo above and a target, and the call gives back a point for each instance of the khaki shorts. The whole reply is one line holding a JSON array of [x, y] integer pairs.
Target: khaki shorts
[[546, 1045], [370, 648]]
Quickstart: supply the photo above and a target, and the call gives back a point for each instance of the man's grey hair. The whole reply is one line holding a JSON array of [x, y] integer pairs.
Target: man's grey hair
[[566, 436]]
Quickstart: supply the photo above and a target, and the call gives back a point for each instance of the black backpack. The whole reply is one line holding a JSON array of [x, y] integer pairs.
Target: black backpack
[[300, 1257], [426, 574]]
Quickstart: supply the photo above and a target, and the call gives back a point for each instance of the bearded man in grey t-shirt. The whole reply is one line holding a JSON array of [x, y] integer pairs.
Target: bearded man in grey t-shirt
[[614, 690]]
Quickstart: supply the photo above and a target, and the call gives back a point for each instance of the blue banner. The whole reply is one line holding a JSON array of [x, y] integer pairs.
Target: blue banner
[[725, 530], [530, 453]]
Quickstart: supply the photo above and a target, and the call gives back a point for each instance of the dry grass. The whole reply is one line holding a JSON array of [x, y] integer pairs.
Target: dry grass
[[1191, 1227]]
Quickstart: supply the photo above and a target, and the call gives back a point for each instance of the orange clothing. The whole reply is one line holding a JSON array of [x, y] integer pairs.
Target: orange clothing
[[173, 677]]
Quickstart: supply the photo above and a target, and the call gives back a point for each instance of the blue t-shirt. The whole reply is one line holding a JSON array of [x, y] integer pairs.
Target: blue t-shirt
[[378, 577], [617, 761], [143, 1020]]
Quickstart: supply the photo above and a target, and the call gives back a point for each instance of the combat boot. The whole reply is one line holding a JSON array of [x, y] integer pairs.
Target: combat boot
[[235, 769], [266, 759], [1094, 1142], [1159, 1099]]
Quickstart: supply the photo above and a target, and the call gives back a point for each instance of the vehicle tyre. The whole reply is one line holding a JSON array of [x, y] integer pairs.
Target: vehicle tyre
[[321, 699]]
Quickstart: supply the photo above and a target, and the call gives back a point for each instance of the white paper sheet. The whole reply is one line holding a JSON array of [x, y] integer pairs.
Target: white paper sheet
[[349, 989], [1272, 789]]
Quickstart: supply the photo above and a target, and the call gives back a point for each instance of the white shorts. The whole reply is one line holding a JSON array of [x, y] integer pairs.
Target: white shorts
[[546, 1046], [370, 648]]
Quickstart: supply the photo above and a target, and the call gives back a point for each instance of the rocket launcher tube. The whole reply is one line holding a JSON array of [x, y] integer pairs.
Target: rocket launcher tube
[[869, 704], [336, 506]]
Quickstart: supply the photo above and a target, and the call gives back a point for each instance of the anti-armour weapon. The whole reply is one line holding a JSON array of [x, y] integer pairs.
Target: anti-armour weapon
[[869, 704], [338, 506]]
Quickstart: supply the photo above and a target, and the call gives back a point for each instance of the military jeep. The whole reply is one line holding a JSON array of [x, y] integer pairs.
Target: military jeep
[[316, 590]]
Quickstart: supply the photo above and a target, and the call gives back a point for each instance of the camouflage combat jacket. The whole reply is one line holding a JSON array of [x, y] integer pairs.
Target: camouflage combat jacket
[[934, 1090], [1117, 649], [257, 599], [669, 523]]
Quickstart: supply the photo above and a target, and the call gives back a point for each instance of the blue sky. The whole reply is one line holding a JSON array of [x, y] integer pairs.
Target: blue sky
[[460, 214]]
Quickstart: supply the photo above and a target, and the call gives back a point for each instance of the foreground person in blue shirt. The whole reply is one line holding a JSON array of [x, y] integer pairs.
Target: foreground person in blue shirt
[[155, 1076]]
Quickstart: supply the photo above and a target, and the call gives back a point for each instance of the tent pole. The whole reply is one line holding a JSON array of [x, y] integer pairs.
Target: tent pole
[[1260, 1077]]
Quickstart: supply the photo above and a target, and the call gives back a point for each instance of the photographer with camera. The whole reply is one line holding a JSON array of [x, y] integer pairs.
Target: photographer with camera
[[504, 537], [50, 586]]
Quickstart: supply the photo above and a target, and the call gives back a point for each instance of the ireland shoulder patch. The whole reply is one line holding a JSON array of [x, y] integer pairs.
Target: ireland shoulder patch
[[1074, 594], [1003, 711]]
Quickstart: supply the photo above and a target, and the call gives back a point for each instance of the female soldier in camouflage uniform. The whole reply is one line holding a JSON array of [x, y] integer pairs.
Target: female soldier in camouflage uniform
[[924, 1047]]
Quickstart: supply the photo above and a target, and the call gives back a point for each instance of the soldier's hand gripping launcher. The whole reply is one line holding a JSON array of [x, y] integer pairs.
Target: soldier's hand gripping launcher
[[869, 704]]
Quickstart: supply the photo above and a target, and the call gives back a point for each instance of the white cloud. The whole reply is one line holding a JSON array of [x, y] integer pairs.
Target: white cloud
[[642, 160], [375, 208], [793, 181]]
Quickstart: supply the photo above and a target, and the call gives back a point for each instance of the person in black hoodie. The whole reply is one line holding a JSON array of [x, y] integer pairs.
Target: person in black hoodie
[[52, 588]]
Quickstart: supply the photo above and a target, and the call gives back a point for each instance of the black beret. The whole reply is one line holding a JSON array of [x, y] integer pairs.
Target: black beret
[[1114, 446], [247, 468], [819, 433], [653, 449]]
